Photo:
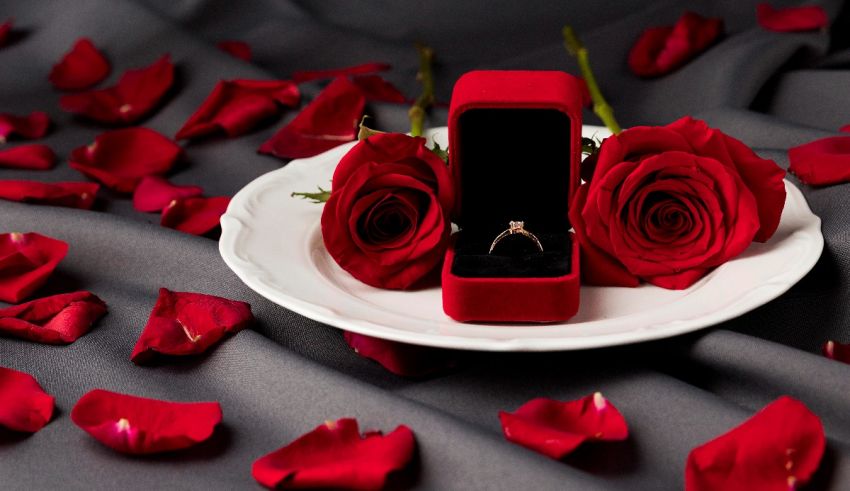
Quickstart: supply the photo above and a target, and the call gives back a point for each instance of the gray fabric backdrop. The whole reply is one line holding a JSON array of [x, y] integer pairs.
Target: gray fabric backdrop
[[289, 374]]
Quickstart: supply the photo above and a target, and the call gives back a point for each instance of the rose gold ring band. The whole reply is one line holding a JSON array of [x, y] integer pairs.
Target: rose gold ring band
[[514, 228]]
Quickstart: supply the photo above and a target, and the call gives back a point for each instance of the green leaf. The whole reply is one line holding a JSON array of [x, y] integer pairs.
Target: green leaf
[[320, 197], [443, 153]]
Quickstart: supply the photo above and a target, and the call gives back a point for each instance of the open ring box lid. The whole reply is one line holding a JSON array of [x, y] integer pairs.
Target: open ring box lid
[[515, 147]]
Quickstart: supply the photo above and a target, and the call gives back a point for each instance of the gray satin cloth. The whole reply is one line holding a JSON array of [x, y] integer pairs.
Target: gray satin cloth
[[289, 374]]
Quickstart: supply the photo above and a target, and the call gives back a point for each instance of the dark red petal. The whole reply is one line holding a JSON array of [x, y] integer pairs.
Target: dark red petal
[[791, 19], [237, 106], [71, 194], [399, 358], [196, 216], [24, 406], [121, 158], [28, 127], [32, 157], [660, 50], [137, 93], [837, 351], [189, 323], [330, 120], [138, 425], [26, 261], [6, 32], [821, 162], [236, 49], [80, 68], [58, 319], [845, 128], [778, 448], [155, 193], [335, 455], [556, 428], [306, 76], [376, 88]]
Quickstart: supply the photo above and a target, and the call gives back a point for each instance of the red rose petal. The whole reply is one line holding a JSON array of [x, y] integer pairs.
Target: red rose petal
[[24, 406], [58, 319], [80, 68], [121, 158], [837, 351], [32, 157], [26, 261], [6, 32], [778, 448], [196, 216], [329, 121], [791, 19], [71, 194], [845, 128], [556, 428], [821, 162], [137, 93], [660, 50], [28, 127], [189, 323], [401, 359], [155, 193], [336, 455], [138, 425], [306, 76], [376, 88], [236, 106], [236, 49]]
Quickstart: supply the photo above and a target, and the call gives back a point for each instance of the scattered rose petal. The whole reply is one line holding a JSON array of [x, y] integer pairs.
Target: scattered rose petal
[[845, 128], [335, 455], [196, 216], [155, 193], [80, 68], [28, 127], [306, 76], [660, 50], [377, 89], [791, 19], [401, 359], [837, 351], [330, 120], [24, 406], [138, 425], [236, 49], [32, 157], [70, 194], [26, 261], [58, 319], [821, 162], [6, 32], [121, 158], [556, 428], [778, 448], [137, 93], [236, 106], [189, 323]]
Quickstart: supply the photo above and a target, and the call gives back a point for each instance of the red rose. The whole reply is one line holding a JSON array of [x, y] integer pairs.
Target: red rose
[[387, 221], [667, 204], [660, 50]]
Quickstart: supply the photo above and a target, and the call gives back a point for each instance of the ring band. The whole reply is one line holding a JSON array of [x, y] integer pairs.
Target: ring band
[[516, 227]]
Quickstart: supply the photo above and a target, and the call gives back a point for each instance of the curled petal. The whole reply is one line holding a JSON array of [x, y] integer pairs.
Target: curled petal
[[81, 67], [29, 127], [196, 216], [32, 157], [137, 93], [845, 128], [306, 76], [236, 49], [26, 261], [189, 323], [71, 194], [660, 50], [791, 19], [821, 162], [399, 358], [138, 425], [376, 88], [335, 455], [328, 121], [556, 428], [780, 448], [58, 319], [155, 193], [837, 351], [121, 158], [24, 406]]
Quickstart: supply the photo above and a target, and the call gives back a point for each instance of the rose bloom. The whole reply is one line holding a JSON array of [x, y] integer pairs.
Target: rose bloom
[[387, 221], [667, 204]]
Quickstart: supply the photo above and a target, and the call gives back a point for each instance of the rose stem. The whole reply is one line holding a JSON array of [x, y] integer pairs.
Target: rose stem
[[600, 105], [426, 77]]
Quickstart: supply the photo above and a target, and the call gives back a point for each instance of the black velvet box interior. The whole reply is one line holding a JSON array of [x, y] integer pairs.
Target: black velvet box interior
[[514, 164]]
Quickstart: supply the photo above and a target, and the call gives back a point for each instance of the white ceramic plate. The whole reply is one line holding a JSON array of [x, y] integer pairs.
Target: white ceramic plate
[[273, 242]]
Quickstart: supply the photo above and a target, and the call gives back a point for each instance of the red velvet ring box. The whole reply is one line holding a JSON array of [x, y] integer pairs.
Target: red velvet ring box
[[515, 146]]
